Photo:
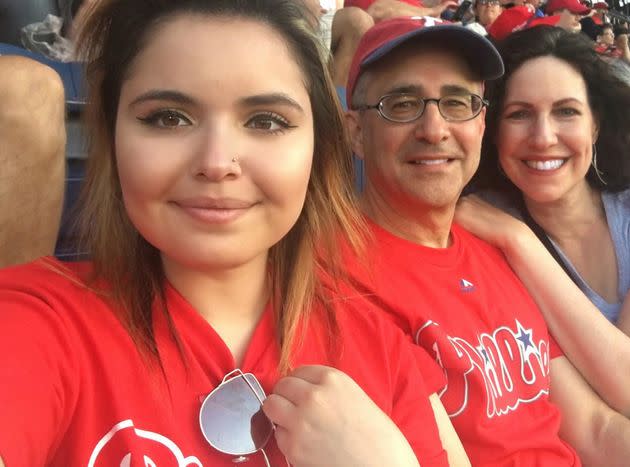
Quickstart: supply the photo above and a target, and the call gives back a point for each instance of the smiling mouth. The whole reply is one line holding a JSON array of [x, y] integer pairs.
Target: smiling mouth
[[551, 164], [430, 161]]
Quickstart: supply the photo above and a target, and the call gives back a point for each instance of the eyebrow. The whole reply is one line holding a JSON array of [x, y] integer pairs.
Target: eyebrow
[[568, 100], [163, 95], [181, 98], [456, 90], [276, 98]]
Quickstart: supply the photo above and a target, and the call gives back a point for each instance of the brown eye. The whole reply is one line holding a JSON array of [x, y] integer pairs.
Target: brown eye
[[269, 122], [170, 119], [166, 119], [262, 124]]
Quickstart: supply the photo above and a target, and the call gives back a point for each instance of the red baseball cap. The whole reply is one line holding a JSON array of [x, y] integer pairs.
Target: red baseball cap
[[600, 6], [387, 35], [517, 18], [574, 6]]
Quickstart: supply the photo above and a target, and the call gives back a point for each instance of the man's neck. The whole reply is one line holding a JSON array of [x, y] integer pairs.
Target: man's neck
[[423, 225]]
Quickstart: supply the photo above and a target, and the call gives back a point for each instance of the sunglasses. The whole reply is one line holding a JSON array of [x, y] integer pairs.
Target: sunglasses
[[231, 417]]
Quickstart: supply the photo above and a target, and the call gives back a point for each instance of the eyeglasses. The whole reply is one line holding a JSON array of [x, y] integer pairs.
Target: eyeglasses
[[405, 108], [231, 417]]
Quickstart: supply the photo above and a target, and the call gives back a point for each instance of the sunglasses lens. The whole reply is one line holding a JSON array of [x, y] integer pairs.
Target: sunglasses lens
[[231, 417]]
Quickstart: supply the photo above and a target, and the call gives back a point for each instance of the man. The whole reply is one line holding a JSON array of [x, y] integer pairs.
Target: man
[[32, 159], [572, 11], [600, 11], [417, 122], [610, 46], [605, 36]]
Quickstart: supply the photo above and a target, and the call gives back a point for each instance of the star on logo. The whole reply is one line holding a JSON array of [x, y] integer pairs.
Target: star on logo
[[524, 336]]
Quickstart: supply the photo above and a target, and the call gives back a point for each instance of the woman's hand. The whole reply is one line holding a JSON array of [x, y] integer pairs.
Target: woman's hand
[[489, 223], [323, 417]]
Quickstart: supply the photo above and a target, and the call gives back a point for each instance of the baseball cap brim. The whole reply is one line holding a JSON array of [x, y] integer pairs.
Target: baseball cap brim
[[580, 10]]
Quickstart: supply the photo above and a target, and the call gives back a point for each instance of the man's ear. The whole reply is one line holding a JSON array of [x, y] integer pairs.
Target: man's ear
[[355, 130]]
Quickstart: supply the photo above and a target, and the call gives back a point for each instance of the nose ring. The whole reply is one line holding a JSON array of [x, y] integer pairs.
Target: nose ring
[[235, 159]]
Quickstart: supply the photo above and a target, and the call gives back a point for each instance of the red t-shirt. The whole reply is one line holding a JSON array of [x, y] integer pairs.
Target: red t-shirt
[[466, 308], [607, 50], [365, 4], [75, 391]]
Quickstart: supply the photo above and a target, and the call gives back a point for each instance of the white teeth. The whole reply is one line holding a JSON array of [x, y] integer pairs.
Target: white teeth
[[545, 165], [431, 161]]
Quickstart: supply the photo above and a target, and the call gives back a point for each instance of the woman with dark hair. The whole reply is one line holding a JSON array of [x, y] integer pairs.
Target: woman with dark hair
[[556, 156], [218, 189]]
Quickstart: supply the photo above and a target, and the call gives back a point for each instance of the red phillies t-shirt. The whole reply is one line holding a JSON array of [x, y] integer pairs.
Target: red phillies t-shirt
[[365, 4], [465, 307], [75, 391]]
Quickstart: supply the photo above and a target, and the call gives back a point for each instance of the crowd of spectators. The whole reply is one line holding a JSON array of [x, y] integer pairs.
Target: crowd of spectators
[[498, 18]]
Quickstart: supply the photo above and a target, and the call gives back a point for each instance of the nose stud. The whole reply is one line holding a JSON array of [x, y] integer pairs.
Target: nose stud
[[235, 159]]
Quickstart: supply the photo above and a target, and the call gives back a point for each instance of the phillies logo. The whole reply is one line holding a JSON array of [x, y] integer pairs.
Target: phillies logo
[[150, 449], [510, 365]]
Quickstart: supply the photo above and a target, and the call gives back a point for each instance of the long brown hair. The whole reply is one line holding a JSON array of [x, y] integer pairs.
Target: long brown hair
[[114, 34]]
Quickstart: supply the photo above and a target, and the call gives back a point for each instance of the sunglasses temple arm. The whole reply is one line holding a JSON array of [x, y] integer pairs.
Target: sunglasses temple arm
[[253, 390], [273, 424]]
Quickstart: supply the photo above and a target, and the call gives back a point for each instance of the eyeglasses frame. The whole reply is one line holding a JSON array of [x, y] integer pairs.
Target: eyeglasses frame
[[425, 100]]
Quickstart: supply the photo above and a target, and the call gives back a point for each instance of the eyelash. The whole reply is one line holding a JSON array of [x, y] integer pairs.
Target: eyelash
[[516, 115], [153, 119], [568, 112], [562, 112], [274, 118]]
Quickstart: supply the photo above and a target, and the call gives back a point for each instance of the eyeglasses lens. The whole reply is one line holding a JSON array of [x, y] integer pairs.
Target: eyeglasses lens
[[408, 107], [231, 417]]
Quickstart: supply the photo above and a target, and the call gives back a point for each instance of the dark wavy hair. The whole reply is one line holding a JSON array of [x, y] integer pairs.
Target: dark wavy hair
[[608, 98]]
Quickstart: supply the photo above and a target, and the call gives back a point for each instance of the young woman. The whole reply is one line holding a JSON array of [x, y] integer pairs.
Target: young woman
[[218, 166], [556, 152]]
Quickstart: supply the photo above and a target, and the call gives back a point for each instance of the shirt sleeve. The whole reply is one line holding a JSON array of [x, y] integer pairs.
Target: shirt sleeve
[[433, 374], [412, 411], [37, 371]]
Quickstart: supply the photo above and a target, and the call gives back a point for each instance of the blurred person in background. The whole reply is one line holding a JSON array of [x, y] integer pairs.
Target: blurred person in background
[[32, 159], [572, 10]]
